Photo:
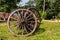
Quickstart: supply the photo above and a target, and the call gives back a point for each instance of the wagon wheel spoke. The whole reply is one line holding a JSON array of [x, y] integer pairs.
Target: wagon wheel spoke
[[25, 14], [18, 26], [22, 30], [13, 18], [30, 18], [28, 28], [25, 29], [25, 23], [19, 15], [31, 26], [28, 15], [13, 23], [22, 14], [31, 22]]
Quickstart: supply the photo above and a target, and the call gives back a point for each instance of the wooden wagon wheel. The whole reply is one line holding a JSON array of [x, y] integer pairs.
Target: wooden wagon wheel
[[36, 12], [22, 22]]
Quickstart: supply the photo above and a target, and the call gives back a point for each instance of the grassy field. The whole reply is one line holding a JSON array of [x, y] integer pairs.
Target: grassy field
[[46, 31]]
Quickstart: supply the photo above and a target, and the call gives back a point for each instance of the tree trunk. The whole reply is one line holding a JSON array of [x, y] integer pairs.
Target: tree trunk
[[44, 6]]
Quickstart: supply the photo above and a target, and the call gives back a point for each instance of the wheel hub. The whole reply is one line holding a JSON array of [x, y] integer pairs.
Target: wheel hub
[[22, 20]]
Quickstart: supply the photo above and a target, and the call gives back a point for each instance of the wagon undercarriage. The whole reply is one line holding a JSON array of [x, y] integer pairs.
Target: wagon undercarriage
[[22, 22]]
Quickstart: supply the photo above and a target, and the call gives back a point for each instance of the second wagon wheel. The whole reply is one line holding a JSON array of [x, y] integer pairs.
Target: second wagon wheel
[[36, 12], [22, 22]]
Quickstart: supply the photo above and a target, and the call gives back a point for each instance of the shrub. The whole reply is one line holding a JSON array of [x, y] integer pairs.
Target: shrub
[[58, 16], [43, 15]]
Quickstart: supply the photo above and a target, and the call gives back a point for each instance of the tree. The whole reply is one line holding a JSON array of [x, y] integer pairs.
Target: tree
[[55, 8], [51, 7], [44, 6], [8, 5], [39, 4], [57, 5]]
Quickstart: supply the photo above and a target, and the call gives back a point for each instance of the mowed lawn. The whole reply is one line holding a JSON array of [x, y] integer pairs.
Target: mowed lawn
[[46, 31]]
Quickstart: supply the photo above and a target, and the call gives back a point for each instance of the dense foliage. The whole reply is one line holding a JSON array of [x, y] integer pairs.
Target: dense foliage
[[8, 5], [52, 8]]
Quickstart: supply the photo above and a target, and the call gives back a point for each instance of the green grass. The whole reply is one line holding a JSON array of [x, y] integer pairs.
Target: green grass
[[46, 31]]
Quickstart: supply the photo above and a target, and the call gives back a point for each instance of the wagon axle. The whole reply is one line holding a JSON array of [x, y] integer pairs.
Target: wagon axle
[[22, 20]]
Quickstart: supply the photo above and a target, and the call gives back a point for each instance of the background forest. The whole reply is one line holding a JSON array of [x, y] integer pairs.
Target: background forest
[[49, 9]]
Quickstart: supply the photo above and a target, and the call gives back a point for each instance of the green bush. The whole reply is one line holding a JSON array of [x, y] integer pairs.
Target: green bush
[[58, 16], [43, 15]]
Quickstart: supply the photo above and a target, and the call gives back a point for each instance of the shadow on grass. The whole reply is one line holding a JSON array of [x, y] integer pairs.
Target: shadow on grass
[[3, 38], [39, 31]]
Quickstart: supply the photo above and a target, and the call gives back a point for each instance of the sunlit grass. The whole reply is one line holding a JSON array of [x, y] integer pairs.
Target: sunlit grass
[[46, 31]]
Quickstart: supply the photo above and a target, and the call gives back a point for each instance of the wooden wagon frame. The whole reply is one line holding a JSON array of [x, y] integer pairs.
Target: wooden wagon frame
[[23, 22]]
